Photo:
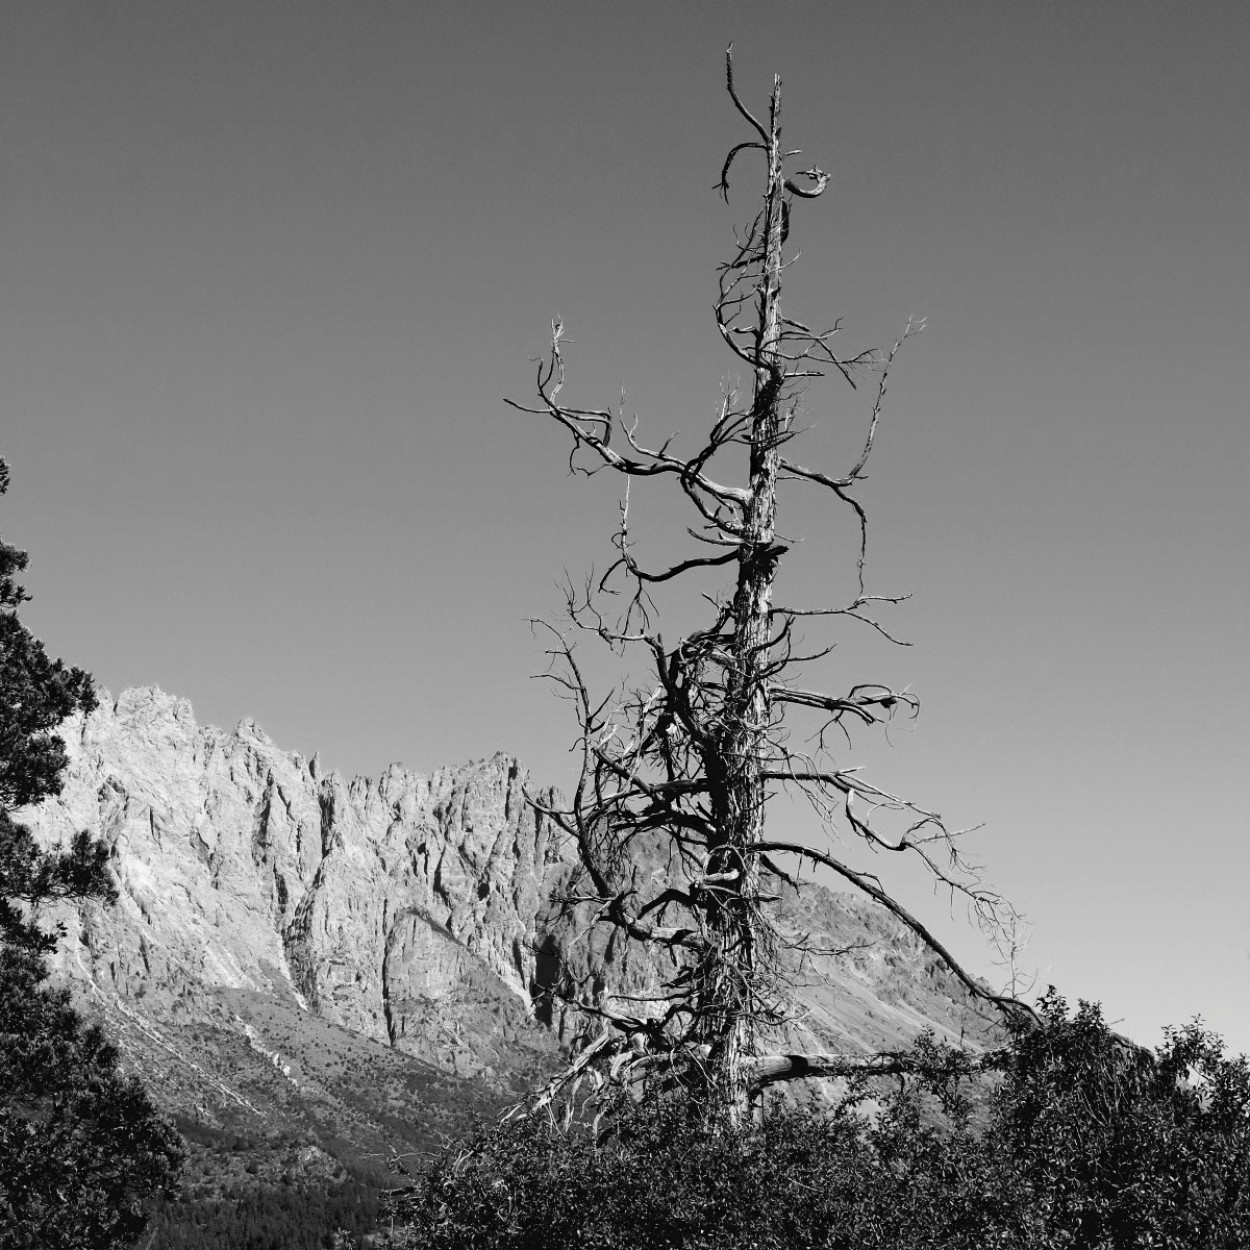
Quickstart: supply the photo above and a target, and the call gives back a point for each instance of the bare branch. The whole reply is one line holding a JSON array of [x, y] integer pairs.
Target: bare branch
[[742, 108], [818, 176], [770, 1069], [870, 886]]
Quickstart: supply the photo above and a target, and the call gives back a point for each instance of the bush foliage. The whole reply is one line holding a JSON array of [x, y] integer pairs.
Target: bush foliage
[[1082, 1141]]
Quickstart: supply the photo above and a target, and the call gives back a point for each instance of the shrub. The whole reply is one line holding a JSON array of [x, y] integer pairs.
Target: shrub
[[1082, 1141]]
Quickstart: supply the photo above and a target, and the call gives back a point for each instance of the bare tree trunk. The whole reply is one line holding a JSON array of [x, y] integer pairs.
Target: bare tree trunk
[[729, 1007]]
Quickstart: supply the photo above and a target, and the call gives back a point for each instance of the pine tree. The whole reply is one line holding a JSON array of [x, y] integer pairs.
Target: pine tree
[[82, 1149]]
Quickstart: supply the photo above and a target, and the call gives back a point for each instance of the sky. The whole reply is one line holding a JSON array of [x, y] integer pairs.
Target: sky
[[270, 269]]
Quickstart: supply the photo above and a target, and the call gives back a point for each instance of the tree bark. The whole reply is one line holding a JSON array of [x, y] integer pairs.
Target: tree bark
[[729, 1007]]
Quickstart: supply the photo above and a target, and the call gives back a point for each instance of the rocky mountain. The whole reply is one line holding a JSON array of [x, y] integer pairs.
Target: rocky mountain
[[361, 962]]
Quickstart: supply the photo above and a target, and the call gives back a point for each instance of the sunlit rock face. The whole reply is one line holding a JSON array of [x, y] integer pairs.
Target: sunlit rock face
[[423, 913], [402, 908]]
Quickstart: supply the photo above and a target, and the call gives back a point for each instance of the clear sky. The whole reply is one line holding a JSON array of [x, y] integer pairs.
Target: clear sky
[[268, 271]]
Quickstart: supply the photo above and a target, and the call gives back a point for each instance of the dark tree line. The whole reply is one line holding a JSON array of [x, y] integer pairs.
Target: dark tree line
[[269, 1217]]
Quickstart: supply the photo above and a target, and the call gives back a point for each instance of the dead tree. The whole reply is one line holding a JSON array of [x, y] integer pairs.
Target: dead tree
[[679, 767]]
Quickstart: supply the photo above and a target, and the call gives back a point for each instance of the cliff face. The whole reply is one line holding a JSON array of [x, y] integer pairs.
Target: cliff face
[[401, 909], [417, 914]]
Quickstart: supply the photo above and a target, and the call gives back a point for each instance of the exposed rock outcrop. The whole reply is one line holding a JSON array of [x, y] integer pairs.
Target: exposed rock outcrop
[[402, 909]]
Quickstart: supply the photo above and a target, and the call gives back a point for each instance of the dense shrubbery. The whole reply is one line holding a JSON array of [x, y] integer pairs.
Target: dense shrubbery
[[1082, 1142]]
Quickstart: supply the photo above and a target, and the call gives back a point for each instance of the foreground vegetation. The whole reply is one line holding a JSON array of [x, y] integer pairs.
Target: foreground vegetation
[[1081, 1141]]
